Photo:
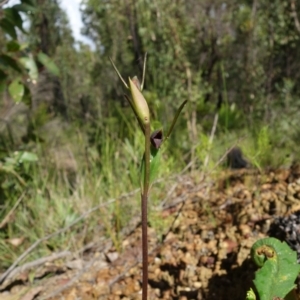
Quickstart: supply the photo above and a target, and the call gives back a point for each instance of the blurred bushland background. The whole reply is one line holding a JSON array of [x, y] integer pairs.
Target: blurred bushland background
[[68, 139]]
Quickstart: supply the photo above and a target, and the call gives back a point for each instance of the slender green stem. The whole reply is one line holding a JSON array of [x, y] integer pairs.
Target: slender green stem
[[144, 200]]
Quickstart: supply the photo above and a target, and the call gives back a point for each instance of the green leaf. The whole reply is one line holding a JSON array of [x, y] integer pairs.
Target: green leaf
[[155, 156], [156, 139], [13, 46], [25, 8], [8, 61], [155, 163], [30, 66], [14, 17], [28, 157], [175, 118], [8, 28], [279, 269], [48, 63], [16, 90]]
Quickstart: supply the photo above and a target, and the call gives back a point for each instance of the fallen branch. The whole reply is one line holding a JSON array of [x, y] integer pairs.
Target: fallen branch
[[38, 262], [72, 281]]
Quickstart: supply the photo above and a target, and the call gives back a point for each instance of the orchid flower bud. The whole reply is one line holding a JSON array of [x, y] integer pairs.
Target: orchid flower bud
[[139, 103]]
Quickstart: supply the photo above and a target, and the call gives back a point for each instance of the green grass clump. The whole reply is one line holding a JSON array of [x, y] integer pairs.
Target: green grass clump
[[64, 184]]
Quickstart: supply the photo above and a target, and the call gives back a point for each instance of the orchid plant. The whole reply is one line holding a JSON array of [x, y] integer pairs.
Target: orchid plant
[[151, 159]]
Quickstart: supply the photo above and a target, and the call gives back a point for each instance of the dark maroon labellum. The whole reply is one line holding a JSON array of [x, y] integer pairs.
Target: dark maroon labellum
[[156, 138]]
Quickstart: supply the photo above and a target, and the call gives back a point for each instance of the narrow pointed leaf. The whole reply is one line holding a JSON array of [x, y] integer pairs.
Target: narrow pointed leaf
[[155, 156], [155, 163], [175, 119], [144, 71], [118, 73]]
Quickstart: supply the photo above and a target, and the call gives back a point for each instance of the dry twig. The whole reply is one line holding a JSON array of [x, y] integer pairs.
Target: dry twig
[[72, 281], [38, 262]]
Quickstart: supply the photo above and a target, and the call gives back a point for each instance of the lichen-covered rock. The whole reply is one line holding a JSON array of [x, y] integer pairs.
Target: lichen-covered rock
[[288, 229]]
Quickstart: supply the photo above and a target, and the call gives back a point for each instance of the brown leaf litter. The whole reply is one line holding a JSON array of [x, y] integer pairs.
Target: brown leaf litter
[[204, 255]]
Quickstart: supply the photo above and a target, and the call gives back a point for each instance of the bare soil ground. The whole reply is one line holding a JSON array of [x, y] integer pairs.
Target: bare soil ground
[[204, 255]]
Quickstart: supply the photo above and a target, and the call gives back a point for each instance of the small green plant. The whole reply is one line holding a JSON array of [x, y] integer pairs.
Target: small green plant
[[150, 161], [278, 270], [17, 64], [14, 170]]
